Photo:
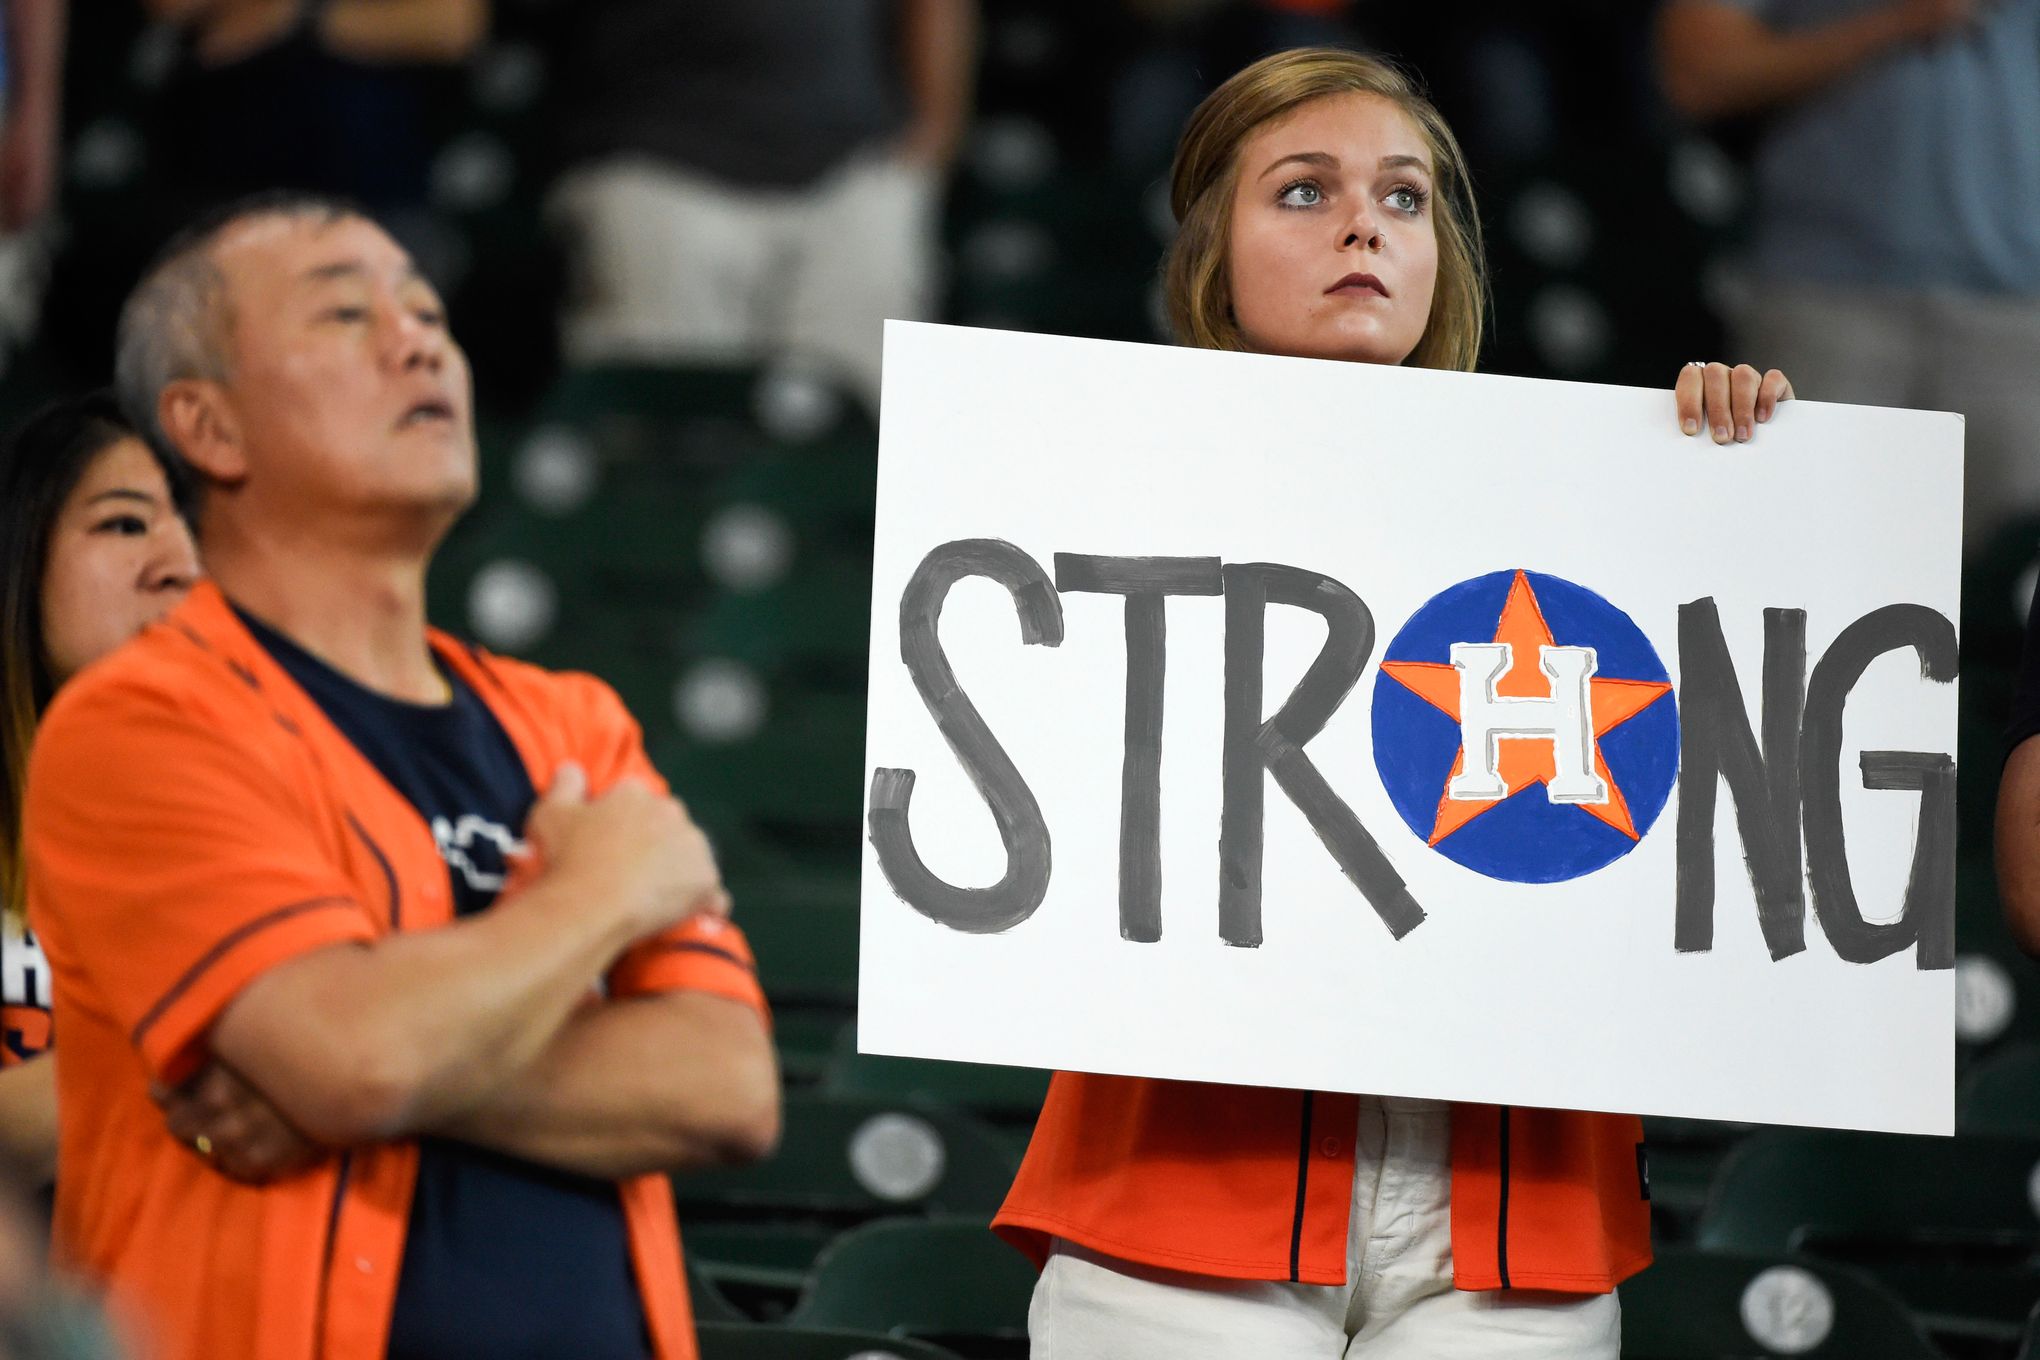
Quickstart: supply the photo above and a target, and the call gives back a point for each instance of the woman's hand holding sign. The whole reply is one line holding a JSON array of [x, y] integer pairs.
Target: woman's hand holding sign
[[1731, 402]]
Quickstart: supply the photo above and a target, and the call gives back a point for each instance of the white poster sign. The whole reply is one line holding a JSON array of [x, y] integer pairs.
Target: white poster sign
[[1330, 726]]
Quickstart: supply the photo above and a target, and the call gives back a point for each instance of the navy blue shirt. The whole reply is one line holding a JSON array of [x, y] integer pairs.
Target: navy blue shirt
[[504, 1259]]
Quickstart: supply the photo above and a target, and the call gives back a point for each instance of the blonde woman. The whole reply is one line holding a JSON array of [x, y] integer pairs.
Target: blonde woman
[[1324, 211]]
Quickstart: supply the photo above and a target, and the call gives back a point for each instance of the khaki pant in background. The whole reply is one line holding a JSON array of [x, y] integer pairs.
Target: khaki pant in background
[[674, 267], [1976, 354]]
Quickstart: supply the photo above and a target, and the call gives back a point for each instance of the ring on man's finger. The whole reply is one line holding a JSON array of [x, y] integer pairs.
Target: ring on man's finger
[[1696, 363], [203, 1146]]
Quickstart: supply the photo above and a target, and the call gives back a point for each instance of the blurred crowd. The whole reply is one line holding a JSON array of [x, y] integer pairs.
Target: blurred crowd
[[641, 180], [1849, 188]]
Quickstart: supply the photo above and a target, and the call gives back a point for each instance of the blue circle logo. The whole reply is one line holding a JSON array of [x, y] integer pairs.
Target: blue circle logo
[[1525, 728]]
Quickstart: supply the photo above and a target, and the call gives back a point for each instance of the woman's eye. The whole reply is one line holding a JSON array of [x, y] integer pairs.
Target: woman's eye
[[431, 316], [1303, 193], [1407, 199], [125, 525], [348, 314]]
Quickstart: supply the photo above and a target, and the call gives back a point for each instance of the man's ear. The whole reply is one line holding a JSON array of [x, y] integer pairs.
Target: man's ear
[[200, 423]]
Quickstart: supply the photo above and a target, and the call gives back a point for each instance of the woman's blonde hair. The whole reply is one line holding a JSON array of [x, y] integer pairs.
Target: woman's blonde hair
[[1196, 283]]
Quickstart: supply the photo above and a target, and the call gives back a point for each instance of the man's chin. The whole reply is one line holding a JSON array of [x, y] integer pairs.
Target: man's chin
[[433, 507], [455, 501]]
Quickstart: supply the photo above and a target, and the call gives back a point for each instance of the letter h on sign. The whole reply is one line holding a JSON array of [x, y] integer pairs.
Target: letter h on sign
[[1565, 720]]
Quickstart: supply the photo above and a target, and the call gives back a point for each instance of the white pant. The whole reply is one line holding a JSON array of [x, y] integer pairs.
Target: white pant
[[1941, 351], [670, 266], [1398, 1302]]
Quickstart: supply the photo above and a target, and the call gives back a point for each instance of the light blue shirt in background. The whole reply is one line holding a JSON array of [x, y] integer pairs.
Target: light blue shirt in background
[[1919, 170]]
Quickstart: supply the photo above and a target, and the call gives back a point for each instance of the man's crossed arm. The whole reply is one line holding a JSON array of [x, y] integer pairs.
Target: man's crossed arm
[[487, 1030]]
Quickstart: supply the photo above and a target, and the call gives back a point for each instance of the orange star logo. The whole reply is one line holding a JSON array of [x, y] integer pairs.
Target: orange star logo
[[1530, 762]]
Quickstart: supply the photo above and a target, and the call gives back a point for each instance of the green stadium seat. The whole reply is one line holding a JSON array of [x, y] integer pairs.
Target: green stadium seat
[[710, 1303], [1992, 626], [640, 536], [797, 901], [947, 1281], [844, 1161], [1997, 987], [759, 1261], [1008, 1097], [1694, 1305], [826, 490], [2029, 1344], [817, 622], [1948, 1224], [1685, 1154], [807, 1036], [498, 530], [801, 770], [672, 392], [706, 416], [727, 1341], [2002, 1094], [806, 949]]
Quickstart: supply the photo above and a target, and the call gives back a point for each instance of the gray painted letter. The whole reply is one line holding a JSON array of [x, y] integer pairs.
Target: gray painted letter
[[1929, 914], [1146, 582], [1715, 744], [1014, 898], [1275, 746]]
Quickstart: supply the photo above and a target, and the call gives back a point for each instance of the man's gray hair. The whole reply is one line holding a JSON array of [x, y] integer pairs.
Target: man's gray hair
[[176, 322], [174, 325]]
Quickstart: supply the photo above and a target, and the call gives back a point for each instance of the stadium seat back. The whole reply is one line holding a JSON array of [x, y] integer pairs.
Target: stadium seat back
[[852, 1160], [727, 1341], [1694, 1305], [2002, 1094], [1949, 1224], [949, 1281]]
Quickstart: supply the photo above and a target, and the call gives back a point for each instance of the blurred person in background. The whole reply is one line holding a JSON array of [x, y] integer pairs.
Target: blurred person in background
[[31, 115], [92, 550], [39, 1320], [328, 96], [750, 179], [31, 108], [296, 833], [1179, 41], [1895, 259]]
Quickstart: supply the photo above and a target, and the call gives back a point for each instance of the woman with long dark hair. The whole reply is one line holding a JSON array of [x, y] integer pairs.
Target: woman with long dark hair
[[93, 548]]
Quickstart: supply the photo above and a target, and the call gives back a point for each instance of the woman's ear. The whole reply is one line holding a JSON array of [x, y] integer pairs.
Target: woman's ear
[[199, 421]]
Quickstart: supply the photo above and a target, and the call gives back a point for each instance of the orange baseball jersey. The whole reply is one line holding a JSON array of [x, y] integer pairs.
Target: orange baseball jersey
[[1252, 1183], [193, 819]]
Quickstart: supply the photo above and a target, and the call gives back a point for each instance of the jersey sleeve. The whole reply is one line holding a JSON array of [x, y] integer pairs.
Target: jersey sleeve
[[170, 864], [702, 954]]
